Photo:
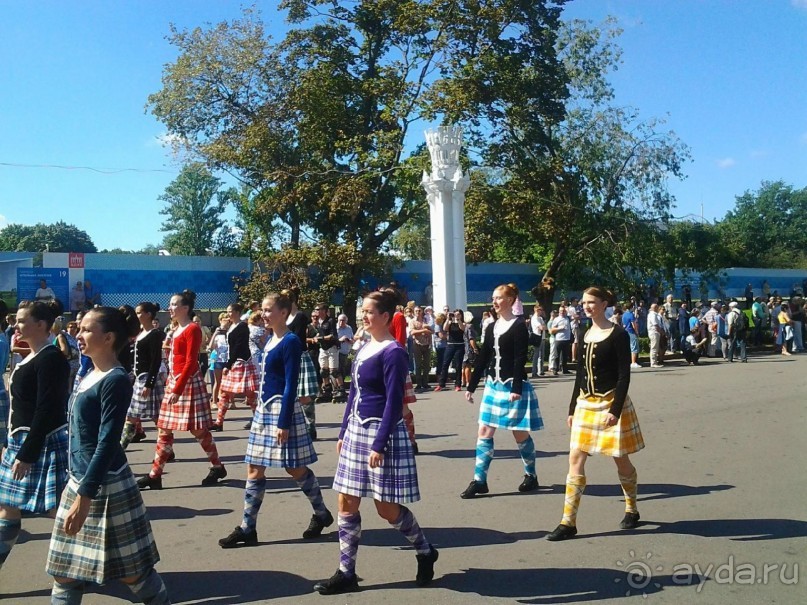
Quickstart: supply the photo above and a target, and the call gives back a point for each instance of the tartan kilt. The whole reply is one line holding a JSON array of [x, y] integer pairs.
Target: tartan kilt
[[590, 434], [307, 384], [498, 411], [396, 481], [191, 412], [5, 410], [263, 448], [146, 408], [241, 379], [40, 490], [409, 391], [115, 541]]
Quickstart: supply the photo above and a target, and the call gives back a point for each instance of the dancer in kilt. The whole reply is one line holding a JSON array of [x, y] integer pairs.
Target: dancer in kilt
[[33, 469], [376, 459], [508, 401], [240, 376], [102, 531], [601, 414], [186, 406], [298, 323], [149, 372], [278, 436]]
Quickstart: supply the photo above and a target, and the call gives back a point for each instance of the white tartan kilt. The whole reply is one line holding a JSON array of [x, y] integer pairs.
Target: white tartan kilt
[[116, 540], [263, 448], [395, 481], [191, 412], [146, 407], [241, 379], [39, 491]]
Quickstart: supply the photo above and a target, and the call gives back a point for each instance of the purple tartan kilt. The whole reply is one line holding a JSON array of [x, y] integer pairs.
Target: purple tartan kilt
[[41, 489], [396, 481], [146, 408], [241, 379], [191, 412]]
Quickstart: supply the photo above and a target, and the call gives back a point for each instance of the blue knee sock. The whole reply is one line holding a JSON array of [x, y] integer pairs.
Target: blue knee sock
[[9, 532], [408, 526], [150, 589], [253, 498], [67, 593], [310, 487], [484, 456], [527, 450]]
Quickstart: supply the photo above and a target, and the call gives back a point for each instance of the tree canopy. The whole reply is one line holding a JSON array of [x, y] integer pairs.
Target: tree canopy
[[54, 237]]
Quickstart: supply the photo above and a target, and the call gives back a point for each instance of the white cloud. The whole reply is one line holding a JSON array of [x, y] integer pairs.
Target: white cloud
[[3, 222], [726, 163]]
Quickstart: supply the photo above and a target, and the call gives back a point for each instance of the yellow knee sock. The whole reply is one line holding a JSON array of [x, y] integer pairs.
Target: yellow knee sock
[[629, 489], [575, 484]]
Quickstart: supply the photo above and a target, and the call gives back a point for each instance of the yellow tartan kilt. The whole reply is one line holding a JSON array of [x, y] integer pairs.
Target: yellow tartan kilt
[[591, 435]]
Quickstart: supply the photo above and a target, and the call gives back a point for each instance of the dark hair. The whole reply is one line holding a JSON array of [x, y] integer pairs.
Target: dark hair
[[385, 301], [601, 293], [3, 313], [46, 311], [149, 308], [122, 322], [187, 299], [281, 301], [237, 307], [395, 290], [292, 293]]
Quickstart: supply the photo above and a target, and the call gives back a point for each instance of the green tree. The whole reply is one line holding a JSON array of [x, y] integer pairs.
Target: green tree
[[767, 228], [55, 237], [193, 206]]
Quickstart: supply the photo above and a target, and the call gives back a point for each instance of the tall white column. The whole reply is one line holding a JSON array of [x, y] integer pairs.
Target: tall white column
[[445, 189]]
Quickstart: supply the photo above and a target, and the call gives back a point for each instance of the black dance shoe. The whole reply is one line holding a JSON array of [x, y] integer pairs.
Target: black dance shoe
[[216, 427], [562, 532], [474, 487], [630, 521], [214, 474], [530, 483], [138, 437], [149, 482], [426, 566], [338, 583], [317, 525], [239, 537]]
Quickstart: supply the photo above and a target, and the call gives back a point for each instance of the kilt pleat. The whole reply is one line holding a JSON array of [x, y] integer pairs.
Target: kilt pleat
[[307, 384], [395, 481], [496, 409], [147, 407], [590, 433], [39, 491], [115, 541], [191, 412], [241, 379], [263, 448]]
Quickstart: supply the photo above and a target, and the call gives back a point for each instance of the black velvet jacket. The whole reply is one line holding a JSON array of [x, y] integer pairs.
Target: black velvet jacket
[[511, 359], [602, 367]]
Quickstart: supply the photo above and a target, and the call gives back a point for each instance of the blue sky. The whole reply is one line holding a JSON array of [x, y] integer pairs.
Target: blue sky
[[729, 77]]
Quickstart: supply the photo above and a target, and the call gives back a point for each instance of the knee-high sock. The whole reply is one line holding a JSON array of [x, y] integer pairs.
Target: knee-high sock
[[128, 434], [150, 589], [310, 487], [484, 456], [349, 536], [409, 421], [209, 446], [224, 403], [575, 484], [67, 593], [408, 526], [527, 450], [165, 447], [253, 498], [629, 488], [138, 426], [9, 532]]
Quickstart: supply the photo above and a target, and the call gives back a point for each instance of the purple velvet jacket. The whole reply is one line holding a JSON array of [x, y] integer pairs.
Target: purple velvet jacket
[[377, 391]]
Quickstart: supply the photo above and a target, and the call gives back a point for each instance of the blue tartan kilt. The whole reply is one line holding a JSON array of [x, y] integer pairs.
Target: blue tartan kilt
[[395, 481], [41, 489], [115, 541], [147, 408], [263, 448], [497, 411], [5, 410]]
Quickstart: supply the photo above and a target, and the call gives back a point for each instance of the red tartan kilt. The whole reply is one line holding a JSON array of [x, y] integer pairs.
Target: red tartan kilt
[[191, 412], [241, 379]]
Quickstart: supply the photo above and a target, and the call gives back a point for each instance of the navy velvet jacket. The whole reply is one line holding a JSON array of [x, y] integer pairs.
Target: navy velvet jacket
[[280, 372]]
